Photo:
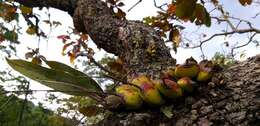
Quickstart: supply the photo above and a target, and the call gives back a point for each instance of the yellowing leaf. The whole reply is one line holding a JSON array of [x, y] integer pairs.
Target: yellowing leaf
[[175, 37], [65, 47], [36, 60], [31, 30], [72, 57], [84, 37], [171, 9], [245, 2], [116, 66], [26, 10], [120, 14]]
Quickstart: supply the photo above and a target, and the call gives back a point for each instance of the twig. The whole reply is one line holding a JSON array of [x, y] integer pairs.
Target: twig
[[241, 31], [240, 46], [77, 124], [159, 7], [134, 5], [23, 107]]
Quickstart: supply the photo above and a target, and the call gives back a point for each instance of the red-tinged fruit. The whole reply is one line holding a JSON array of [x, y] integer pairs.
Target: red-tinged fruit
[[186, 84], [168, 73], [140, 79], [175, 90], [206, 71], [149, 93]]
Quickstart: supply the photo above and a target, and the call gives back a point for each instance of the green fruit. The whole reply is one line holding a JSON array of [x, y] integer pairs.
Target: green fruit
[[186, 84], [168, 89], [131, 95], [204, 76], [189, 69]]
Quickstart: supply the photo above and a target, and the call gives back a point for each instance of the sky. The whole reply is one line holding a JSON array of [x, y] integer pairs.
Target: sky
[[51, 47]]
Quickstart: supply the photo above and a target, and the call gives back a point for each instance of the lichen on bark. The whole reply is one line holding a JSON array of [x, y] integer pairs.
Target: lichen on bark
[[236, 101], [140, 46]]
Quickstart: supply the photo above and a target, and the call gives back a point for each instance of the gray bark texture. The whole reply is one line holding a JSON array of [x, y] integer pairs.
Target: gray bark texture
[[231, 99]]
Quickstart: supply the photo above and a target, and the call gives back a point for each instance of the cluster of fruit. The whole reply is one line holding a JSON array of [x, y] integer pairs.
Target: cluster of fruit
[[174, 83]]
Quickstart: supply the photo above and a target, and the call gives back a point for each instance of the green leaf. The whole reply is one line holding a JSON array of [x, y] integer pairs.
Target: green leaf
[[207, 20], [185, 8], [67, 69], [58, 80], [11, 36], [201, 16]]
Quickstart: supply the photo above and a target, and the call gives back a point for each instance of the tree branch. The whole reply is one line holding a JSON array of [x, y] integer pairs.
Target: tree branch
[[243, 45], [240, 31], [65, 5], [127, 39]]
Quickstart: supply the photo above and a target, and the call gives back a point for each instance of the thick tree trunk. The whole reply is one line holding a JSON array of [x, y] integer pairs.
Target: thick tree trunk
[[236, 101]]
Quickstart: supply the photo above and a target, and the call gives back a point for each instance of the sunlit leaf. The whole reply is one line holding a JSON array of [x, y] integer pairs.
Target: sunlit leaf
[[245, 2], [67, 69], [72, 57], [26, 10], [175, 36], [36, 60], [58, 80], [31, 30]]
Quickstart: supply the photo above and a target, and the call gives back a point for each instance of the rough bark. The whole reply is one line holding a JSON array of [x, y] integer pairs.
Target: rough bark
[[140, 46], [234, 102], [130, 40]]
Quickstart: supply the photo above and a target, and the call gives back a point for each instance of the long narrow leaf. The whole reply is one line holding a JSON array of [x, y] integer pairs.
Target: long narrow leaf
[[55, 79], [67, 69]]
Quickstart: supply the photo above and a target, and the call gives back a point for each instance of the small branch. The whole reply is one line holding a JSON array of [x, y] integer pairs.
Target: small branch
[[23, 106], [159, 7], [243, 45], [134, 5], [65, 5], [241, 31]]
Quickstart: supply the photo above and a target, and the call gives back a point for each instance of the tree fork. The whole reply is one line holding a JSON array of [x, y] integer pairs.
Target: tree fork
[[140, 46]]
